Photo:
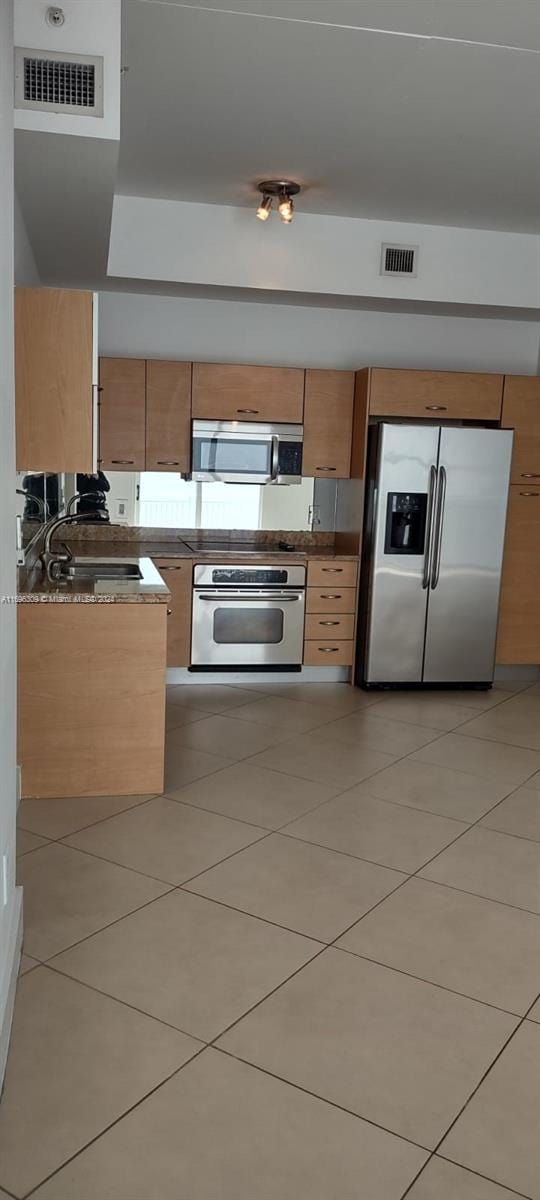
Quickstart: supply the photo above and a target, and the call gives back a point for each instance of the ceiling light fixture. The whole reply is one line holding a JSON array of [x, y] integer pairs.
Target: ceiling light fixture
[[282, 190]]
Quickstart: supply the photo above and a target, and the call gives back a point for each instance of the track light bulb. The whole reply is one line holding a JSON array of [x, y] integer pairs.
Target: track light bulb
[[264, 209], [286, 209]]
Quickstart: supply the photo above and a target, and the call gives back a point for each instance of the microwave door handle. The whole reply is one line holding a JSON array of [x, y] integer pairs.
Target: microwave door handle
[[275, 467], [429, 526]]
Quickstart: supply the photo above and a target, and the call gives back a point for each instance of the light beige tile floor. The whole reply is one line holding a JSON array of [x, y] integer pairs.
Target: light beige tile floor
[[295, 815]]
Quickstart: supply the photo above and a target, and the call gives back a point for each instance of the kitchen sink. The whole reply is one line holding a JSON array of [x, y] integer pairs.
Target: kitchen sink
[[85, 568]]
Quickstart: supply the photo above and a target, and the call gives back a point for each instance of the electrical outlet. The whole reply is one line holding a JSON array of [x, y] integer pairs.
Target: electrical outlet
[[121, 510]]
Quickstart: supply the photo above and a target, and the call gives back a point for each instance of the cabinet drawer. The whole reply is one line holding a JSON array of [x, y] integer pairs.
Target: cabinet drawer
[[331, 571], [434, 395], [330, 599], [329, 625], [326, 654], [230, 392], [177, 576]]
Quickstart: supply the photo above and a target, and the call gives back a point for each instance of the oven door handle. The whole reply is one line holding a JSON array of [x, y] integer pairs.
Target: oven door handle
[[277, 599]]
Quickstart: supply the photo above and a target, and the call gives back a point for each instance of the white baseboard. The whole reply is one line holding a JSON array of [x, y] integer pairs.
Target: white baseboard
[[9, 974], [306, 675]]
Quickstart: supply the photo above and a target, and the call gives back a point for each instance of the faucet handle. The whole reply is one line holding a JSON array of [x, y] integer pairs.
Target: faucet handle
[[67, 557]]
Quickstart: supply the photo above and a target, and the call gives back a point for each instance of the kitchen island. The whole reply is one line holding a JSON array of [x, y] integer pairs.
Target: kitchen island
[[92, 670]]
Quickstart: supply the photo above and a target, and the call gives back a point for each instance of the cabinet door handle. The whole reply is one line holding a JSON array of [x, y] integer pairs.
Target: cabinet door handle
[[329, 622], [167, 462], [247, 410], [169, 568], [529, 494], [329, 596], [328, 649], [332, 570], [169, 611], [436, 408], [122, 462], [326, 468], [530, 474]]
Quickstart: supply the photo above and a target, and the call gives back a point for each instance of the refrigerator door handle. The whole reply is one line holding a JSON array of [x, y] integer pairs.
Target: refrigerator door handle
[[439, 518], [429, 526]]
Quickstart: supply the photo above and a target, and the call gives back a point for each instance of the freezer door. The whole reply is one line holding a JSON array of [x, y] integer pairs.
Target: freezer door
[[469, 526], [398, 584]]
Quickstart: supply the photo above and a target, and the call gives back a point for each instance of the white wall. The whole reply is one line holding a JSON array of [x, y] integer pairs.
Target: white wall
[[26, 272], [231, 331], [10, 911], [327, 255]]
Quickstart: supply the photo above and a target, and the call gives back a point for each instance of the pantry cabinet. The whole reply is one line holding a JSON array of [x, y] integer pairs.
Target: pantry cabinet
[[521, 412], [122, 414], [435, 395], [519, 617], [55, 379], [328, 418], [177, 575], [229, 392]]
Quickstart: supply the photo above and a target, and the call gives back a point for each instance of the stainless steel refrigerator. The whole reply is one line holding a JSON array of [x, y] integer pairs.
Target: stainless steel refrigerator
[[433, 544]]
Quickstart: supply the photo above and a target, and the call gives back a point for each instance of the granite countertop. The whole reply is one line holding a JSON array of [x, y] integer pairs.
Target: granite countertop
[[34, 586], [179, 549]]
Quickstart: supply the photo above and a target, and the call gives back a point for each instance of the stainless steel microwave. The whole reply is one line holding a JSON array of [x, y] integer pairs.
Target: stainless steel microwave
[[246, 452]]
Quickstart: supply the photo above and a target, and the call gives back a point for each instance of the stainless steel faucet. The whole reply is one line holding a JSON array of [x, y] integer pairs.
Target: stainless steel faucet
[[35, 499], [51, 560], [83, 496]]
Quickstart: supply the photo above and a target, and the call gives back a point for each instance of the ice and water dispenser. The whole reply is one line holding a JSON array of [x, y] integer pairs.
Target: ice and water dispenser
[[405, 523]]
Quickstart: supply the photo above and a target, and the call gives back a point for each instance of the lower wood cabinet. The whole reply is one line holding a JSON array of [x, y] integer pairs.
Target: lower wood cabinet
[[519, 618], [177, 574], [91, 703], [331, 601]]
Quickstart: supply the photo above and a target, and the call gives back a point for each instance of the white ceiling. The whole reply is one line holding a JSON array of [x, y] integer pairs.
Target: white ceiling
[[221, 93]]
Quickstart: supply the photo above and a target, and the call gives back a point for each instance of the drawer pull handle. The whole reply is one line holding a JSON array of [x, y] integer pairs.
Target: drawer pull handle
[[529, 494], [333, 570], [328, 649], [326, 468], [164, 568], [167, 462], [247, 410], [123, 462], [331, 596], [329, 622], [436, 408], [530, 474]]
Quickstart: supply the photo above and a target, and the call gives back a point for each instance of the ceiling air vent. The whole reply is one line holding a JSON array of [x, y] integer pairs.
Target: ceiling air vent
[[61, 83], [398, 260]]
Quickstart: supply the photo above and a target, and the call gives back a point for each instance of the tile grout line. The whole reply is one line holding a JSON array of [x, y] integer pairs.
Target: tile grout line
[[49, 838]]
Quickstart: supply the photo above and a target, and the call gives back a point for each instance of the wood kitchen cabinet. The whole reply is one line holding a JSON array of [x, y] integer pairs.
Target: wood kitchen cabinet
[[168, 416], [331, 602], [177, 575], [54, 375], [228, 392], [122, 414], [518, 638], [521, 412], [434, 395], [328, 418]]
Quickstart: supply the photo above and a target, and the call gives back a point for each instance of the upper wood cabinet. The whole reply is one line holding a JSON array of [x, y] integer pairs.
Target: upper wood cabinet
[[432, 395], [521, 412], [54, 374], [519, 617], [168, 416], [328, 416], [122, 414], [226, 392]]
